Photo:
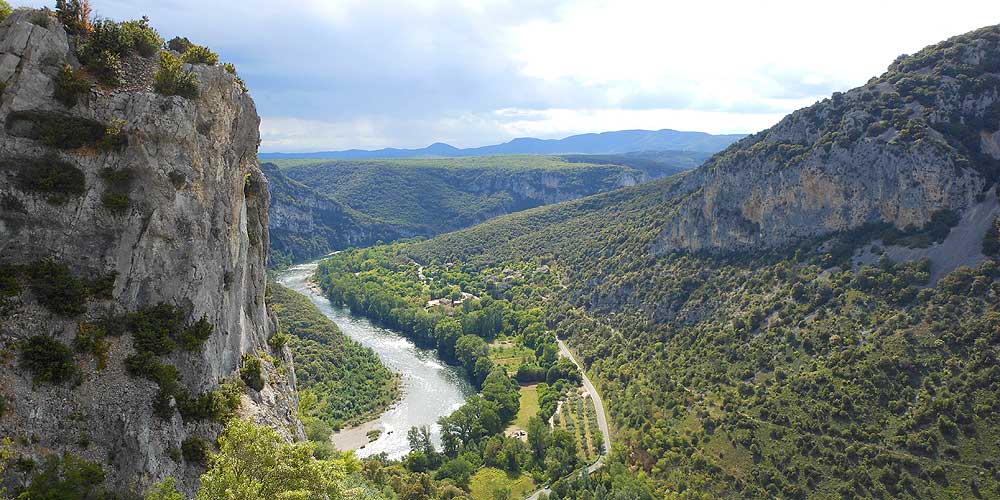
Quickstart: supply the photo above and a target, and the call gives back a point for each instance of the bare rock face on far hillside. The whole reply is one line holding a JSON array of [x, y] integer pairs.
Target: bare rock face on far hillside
[[919, 141]]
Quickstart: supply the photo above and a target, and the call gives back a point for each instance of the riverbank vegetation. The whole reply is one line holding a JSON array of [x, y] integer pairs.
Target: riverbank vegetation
[[341, 383], [494, 324]]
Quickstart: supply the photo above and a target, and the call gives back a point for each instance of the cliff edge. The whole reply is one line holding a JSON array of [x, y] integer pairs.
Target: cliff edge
[[133, 240]]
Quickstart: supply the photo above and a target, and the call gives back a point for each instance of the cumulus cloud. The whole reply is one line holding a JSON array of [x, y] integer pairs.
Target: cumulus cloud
[[376, 73]]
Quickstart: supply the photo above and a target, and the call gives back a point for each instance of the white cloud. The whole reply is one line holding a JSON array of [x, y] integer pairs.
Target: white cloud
[[332, 74]]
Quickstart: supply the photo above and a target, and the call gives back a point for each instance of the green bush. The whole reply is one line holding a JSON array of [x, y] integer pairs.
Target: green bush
[[56, 129], [56, 288], [172, 79], [48, 359], [73, 15], [116, 203], [108, 67], [70, 85], [231, 69], [5, 9], [67, 477], [166, 489], [91, 338], [219, 404], [198, 54], [179, 44], [105, 36], [145, 39], [195, 450], [55, 178], [278, 341], [116, 177], [156, 329], [10, 287], [115, 138], [103, 286], [193, 337], [251, 372]]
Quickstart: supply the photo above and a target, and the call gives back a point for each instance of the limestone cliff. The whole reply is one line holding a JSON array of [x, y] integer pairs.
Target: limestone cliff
[[143, 199], [918, 141]]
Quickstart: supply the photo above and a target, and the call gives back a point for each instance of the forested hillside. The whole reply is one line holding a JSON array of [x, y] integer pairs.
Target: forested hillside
[[321, 206], [858, 358]]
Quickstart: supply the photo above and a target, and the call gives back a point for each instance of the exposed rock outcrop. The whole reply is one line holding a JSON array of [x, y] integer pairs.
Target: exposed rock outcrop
[[919, 140], [163, 196]]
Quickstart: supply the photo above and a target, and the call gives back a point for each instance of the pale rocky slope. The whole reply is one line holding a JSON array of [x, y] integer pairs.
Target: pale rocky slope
[[921, 139]]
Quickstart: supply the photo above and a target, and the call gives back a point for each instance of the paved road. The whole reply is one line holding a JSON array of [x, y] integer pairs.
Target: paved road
[[602, 418]]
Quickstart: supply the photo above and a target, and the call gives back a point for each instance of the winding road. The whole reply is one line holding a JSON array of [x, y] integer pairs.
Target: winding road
[[602, 418]]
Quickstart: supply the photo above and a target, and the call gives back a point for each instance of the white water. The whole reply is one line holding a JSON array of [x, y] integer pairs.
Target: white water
[[431, 389]]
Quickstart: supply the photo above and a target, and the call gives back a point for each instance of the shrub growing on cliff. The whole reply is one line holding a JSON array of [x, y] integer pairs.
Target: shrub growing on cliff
[[108, 67], [155, 329], [91, 338], [57, 130], [179, 44], [56, 288], [172, 79], [116, 203], [251, 372], [57, 179], [5, 9], [115, 138], [65, 477], [144, 39], [48, 359], [70, 85], [198, 54], [75, 15], [193, 337], [195, 450], [231, 69]]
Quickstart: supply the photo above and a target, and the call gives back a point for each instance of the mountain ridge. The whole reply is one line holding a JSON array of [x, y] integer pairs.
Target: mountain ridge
[[614, 142]]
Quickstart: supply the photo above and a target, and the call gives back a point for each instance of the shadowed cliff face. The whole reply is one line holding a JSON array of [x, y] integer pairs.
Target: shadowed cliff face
[[919, 140], [173, 209]]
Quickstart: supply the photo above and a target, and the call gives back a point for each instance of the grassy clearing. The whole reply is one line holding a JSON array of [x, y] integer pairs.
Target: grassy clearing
[[529, 406], [488, 480]]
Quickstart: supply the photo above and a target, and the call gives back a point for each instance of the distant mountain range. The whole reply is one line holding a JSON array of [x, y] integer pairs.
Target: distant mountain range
[[623, 141]]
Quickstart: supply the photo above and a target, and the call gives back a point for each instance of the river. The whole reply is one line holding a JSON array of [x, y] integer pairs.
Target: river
[[431, 389]]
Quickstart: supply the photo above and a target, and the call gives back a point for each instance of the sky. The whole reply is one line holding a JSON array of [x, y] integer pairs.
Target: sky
[[340, 74]]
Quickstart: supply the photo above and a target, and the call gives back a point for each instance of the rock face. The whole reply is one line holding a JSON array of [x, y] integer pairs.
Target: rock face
[[917, 141], [178, 214]]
